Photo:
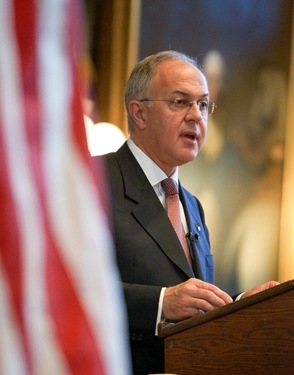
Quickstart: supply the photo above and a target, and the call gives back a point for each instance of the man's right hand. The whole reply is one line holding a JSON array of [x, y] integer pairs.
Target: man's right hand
[[190, 298]]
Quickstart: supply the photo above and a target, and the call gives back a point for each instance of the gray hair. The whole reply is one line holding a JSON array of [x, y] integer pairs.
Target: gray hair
[[139, 82]]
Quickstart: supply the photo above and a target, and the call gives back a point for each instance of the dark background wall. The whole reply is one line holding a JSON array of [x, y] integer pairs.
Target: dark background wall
[[248, 33], [238, 175], [244, 47]]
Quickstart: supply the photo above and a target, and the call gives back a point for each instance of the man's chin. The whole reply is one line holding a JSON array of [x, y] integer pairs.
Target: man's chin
[[188, 157]]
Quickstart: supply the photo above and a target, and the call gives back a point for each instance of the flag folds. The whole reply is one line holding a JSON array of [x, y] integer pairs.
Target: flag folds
[[61, 308]]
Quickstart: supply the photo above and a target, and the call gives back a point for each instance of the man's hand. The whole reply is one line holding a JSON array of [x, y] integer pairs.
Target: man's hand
[[260, 288], [191, 298]]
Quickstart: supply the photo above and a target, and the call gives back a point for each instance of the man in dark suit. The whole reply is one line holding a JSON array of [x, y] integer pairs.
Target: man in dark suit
[[167, 102]]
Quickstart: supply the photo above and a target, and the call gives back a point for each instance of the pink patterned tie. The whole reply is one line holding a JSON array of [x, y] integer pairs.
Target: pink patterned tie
[[173, 211]]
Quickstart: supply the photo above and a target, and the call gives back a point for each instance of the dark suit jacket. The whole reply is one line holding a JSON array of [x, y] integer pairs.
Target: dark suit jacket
[[149, 254]]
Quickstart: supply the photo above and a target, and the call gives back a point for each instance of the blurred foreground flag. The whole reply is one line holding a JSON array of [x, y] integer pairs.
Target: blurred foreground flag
[[61, 308]]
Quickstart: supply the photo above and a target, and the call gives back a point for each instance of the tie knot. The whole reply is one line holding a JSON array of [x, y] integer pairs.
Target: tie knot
[[169, 186]]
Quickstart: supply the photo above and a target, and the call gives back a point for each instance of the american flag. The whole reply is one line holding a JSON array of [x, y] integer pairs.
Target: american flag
[[61, 308]]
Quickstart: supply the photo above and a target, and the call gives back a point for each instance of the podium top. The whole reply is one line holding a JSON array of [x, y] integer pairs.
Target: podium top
[[166, 329]]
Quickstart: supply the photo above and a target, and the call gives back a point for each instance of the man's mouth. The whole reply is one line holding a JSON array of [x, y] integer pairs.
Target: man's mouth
[[192, 135]]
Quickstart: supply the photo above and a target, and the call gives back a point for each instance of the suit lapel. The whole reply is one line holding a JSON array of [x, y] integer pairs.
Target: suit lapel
[[157, 224], [149, 211]]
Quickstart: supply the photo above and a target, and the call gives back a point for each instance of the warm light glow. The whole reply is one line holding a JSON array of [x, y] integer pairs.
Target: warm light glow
[[103, 137]]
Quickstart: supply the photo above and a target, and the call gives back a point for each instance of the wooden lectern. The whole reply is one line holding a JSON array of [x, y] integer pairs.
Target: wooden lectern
[[251, 336]]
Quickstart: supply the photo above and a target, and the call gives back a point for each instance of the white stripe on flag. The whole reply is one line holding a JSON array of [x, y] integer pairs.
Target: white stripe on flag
[[11, 354]]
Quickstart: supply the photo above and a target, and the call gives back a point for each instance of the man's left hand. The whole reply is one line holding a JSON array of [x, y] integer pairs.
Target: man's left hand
[[260, 288]]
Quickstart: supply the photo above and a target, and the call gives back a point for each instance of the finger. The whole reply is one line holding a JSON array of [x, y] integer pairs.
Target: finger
[[212, 293], [260, 288], [206, 303]]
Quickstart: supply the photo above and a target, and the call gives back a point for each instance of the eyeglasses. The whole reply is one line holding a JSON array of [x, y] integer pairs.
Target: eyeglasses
[[179, 105]]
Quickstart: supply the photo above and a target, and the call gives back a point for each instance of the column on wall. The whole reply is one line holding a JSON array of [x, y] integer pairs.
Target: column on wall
[[286, 261], [117, 34]]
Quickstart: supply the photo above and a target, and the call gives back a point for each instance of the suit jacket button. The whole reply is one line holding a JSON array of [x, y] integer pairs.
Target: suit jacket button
[[140, 337]]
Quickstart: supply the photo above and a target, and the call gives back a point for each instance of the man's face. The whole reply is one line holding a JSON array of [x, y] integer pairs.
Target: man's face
[[174, 136]]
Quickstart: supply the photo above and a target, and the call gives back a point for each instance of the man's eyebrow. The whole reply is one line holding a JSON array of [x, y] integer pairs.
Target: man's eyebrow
[[205, 95], [184, 93]]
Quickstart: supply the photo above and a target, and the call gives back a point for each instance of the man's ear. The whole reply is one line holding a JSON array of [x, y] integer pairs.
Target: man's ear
[[137, 111]]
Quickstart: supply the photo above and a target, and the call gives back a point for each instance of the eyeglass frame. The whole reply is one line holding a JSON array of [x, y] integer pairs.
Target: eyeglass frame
[[188, 104]]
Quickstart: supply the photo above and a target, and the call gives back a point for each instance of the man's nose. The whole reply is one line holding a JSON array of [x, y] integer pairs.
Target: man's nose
[[194, 112]]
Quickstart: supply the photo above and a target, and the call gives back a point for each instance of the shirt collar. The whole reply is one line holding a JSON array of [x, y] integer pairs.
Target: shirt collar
[[152, 171]]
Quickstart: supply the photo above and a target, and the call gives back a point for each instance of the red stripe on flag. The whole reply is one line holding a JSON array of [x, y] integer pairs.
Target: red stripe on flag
[[72, 328], [96, 167]]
